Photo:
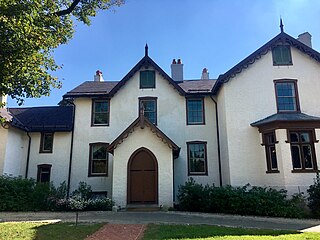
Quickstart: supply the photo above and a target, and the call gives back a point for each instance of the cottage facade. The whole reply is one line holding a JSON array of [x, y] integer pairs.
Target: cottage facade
[[136, 140]]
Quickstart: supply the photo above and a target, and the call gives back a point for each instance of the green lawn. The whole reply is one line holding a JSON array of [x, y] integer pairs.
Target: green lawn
[[204, 232], [45, 231]]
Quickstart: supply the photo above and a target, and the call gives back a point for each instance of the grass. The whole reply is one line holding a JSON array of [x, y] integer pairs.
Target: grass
[[45, 231], [204, 232]]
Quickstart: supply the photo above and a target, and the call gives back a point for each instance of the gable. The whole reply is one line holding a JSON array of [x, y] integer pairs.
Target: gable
[[251, 59]]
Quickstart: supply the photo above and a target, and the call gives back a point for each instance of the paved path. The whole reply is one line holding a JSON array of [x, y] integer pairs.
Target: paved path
[[168, 217]]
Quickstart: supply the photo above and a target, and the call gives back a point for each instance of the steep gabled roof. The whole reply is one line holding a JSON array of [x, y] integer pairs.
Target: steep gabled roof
[[141, 122], [92, 89], [43, 119], [280, 38], [197, 86]]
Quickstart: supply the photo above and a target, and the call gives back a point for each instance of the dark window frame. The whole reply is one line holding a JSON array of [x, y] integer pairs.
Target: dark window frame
[[295, 85], [205, 173], [268, 147], [141, 99], [42, 142], [90, 173], [203, 122], [40, 171], [300, 144], [147, 86], [282, 63], [93, 124]]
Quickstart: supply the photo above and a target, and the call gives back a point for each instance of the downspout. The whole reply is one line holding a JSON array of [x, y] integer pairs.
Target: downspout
[[71, 149], [28, 155], [218, 140]]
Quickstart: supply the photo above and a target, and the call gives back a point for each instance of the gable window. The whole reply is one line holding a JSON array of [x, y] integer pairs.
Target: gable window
[[43, 174], [287, 95], [46, 143], [149, 105], [197, 158], [195, 111], [281, 55], [269, 141], [302, 150], [147, 79], [100, 112], [98, 160]]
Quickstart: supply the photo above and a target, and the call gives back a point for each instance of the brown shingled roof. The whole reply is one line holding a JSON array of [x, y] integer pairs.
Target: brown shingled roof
[[197, 86], [92, 88]]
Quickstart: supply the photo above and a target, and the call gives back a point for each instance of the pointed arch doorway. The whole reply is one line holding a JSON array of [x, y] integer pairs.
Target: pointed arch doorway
[[142, 178]]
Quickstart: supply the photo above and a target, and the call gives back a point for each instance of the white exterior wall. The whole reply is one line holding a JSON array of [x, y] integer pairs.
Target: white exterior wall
[[13, 152], [250, 96], [59, 158], [143, 138], [124, 109]]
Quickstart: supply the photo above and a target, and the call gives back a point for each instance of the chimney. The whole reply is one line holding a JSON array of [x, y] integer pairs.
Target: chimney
[[98, 77], [177, 70], [305, 38], [205, 74]]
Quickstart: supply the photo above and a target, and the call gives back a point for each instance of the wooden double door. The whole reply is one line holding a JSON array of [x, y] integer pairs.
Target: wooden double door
[[142, 178]]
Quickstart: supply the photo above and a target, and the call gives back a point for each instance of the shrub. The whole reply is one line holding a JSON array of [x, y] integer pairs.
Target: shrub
[[314, 197], [244, 200]]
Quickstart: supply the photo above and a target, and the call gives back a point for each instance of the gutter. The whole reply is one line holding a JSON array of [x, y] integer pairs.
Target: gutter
[[218, 140], [71, 149], [28, 155]]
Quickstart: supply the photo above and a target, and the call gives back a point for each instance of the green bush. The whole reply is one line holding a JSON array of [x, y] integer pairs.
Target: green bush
[[244, 200], [314, 197]]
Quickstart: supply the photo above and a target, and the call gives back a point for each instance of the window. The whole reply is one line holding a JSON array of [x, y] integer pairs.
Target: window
[[46, 143], [195, 111], [44, 173], [98, 162], [147, 79], [287, 95], [302, 150], [281, 55], [197, 158], [100, 112], [269, 141], [149, 106]]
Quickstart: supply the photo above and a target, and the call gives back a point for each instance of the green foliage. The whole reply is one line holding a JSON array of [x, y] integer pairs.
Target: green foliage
[[244, 200], [18, 194], [314, 197], [29, 32]]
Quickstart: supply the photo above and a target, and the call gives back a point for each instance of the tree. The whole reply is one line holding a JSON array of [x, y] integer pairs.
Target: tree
[[29, 32]]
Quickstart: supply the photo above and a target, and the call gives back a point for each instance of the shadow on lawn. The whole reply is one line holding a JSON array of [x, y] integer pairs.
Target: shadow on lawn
[[65, 231], [204, 231]]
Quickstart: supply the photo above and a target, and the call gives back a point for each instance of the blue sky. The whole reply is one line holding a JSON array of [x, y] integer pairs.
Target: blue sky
[[216, 34]]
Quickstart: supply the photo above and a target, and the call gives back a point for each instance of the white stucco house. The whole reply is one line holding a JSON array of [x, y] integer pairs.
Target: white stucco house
[[139, 138]]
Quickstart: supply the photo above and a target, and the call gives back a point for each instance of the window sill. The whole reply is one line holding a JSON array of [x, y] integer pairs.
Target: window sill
[[98, 175], [304, 171], [99, 125], [282, 64], [45, 152], [195, 124], [273, 171], [198, 174]]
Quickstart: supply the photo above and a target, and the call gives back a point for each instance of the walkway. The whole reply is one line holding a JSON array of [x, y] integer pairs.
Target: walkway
[[168, 217]]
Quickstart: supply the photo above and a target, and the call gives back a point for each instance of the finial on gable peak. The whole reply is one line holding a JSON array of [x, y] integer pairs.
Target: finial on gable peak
[[146, 50], [281, 25]]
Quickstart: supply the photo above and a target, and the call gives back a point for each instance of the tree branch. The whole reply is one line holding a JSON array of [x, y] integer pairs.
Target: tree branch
[[68, 10]]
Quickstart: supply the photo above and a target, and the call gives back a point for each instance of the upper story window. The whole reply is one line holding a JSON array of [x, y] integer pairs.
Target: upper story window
[[98, 161], [287, 95], [302, 150], [269, 141], [43, 174], [149, 105], [46, 143], [197, 158], [147, 79], [281, 55], [195, 111], [100, 112]]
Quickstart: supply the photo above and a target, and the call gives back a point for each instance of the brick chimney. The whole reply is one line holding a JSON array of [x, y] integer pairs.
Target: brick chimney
[[177, 70], [305, 38], [98, 77], [205, 74]]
